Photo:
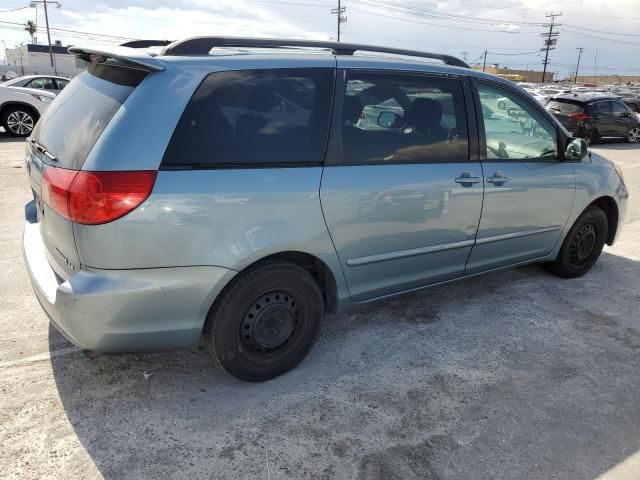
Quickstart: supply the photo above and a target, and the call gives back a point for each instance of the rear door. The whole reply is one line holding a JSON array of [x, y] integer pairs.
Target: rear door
[[60, 143], [402, 194], [528, 189]]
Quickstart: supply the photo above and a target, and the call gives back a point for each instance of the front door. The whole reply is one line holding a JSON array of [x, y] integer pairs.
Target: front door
[[403, 200], [528, 189]]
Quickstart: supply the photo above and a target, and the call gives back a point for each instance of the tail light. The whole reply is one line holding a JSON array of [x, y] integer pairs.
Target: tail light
[[92, 198], [579, 117]]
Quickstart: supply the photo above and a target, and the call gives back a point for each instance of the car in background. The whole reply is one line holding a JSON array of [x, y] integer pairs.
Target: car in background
[[20, 109], [596, 117], [49, 83]]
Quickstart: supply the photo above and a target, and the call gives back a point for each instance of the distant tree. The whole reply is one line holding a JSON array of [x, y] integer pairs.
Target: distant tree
[[32, 28]]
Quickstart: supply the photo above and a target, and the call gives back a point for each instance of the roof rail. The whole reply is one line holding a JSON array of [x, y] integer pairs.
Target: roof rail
[[202, 46], [146, 43]]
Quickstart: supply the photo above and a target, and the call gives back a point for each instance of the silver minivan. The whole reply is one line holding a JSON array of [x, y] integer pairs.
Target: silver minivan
[[235, 190]]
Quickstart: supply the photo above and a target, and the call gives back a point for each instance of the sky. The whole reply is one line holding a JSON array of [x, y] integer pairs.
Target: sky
[[510, 30]]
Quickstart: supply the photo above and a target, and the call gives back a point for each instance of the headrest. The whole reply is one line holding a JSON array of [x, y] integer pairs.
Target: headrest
[[424, 113]]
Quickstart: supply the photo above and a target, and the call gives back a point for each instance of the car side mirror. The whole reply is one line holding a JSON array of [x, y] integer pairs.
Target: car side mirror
[[388, 119], [576, 150]]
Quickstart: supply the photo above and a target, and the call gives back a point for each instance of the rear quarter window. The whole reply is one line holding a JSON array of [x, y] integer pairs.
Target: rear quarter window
[[75, 120], [255, 117]]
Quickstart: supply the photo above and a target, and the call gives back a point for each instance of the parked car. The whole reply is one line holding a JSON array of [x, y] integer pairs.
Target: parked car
[[20, 109], [49, 83], [596, 117], [228, 214]]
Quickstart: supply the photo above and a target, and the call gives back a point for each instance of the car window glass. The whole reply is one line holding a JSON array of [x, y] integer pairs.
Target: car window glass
[[516, 131], [44, 83], [564, 107], [602, 108], [618, 109], [61, 83], [403, 118], [277, 116]]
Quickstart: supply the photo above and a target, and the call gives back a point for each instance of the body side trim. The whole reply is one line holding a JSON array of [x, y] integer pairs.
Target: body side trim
[[525, 233], [382, 257]]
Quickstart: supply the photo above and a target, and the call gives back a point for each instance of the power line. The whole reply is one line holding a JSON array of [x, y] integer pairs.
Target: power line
[[14, 9]]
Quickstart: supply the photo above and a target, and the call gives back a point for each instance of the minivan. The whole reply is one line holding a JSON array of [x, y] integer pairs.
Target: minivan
[[235, 190]]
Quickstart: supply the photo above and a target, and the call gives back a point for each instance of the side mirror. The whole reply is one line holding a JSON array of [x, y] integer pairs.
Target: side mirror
[[388, 119], [576, 150]]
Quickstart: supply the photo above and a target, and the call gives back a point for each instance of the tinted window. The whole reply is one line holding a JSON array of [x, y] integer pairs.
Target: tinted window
[[519, 131], [564, 107], [601, 108], [618, 109], [403, 118], [73, 122], [61, 83], [278, 116]]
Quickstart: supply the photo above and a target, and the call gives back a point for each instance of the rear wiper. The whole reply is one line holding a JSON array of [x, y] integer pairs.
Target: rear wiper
[[42, 149]]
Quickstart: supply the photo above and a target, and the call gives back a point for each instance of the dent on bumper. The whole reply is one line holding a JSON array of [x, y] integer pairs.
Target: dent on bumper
[[119, 311]]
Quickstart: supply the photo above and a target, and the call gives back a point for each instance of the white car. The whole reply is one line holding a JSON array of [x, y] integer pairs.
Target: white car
[[50, 83], [20, 108]]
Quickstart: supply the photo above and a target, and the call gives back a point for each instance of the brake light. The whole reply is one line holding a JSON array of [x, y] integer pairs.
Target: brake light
[[579, 117], [93, 198]]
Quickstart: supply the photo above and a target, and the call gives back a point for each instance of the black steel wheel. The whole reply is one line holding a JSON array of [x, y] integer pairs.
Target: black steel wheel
[[582, 246], [266, 320]]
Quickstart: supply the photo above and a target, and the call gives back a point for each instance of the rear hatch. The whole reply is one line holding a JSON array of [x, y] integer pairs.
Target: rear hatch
[[58, 147], [569, 112]]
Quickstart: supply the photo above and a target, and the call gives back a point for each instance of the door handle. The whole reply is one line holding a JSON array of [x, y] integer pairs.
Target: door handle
[[466, 179], [498, 178]]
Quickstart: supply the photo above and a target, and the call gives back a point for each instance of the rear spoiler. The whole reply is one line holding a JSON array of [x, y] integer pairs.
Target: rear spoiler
[[127, 57]]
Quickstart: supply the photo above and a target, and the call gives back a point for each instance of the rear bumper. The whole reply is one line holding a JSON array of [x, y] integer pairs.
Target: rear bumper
[[121, 311]]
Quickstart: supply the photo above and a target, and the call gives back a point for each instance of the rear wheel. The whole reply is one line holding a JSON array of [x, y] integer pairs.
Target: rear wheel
[[582, 246], [634, 135], [18, 121], [266, 321]]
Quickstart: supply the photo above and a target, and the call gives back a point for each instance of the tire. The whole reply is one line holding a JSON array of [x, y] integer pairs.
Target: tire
[[582, 246], [19, 121], [634, 135], [266, 321]]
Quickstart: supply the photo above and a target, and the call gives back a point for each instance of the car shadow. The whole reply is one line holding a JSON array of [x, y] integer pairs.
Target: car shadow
[[515, 374], [6, 138], [614, 145]]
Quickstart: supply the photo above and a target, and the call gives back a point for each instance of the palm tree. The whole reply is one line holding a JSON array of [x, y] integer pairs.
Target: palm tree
[[32, 28]]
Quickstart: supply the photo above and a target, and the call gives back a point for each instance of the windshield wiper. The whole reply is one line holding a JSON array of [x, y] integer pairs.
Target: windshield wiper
[[42, 149]]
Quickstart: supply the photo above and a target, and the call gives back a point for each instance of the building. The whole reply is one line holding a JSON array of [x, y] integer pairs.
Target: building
[[517, 75], [32, 59], [608, 79]]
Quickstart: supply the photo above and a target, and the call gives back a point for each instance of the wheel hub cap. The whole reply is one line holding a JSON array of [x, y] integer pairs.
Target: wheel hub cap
[[20, 123], [634, 135], [583, 244], [270, 322]]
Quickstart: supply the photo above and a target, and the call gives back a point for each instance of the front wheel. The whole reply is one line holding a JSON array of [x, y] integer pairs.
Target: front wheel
[[582, 246], [634, 135], [266, 321]]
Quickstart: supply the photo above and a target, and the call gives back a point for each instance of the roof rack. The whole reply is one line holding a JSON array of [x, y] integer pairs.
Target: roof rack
[[203, 45], [146, 43]]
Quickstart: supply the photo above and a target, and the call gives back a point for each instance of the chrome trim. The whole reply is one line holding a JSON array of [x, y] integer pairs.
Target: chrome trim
[[383, 257], [525, 233]]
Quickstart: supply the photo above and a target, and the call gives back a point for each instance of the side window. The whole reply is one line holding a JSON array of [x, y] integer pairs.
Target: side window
[[618, 109], [602, 109], [43, 83], [516, 131], [403, 118], [60, 84], [278, 116]]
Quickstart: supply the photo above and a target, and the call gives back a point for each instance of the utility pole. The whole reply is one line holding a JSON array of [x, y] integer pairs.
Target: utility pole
[[34, 4], [550, 41], [339, 15], [484, 64], [580, 50]]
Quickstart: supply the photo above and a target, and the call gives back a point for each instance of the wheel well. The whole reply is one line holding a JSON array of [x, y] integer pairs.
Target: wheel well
[[26, 106], [609, 207], [318, 270]]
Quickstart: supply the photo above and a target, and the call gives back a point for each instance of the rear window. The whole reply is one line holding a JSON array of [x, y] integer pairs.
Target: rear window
[[564, 107], [73, 123], [255, 117]]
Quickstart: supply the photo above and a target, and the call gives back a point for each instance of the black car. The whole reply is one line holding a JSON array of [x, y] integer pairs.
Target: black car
[[596, 117]]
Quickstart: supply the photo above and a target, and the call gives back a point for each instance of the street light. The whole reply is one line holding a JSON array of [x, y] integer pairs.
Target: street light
[[34, 4]]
